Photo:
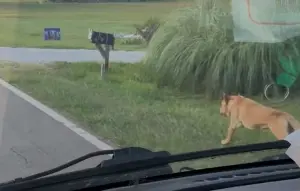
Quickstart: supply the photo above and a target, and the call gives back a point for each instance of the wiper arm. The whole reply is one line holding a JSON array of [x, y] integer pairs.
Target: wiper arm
[[124, 162], [119, 156], [158, 161], [62, 167]]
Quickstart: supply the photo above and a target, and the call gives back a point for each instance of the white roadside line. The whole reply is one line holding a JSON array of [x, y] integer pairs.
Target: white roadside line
[[84, 134]]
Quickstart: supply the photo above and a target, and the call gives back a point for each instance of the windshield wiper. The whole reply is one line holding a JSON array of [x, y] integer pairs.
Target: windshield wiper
[[138, 159], [119, 156]]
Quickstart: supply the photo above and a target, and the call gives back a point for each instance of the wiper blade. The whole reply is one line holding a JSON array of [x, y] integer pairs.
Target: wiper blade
[[157, 161], [119, 156], [126, 164], [64, 166]]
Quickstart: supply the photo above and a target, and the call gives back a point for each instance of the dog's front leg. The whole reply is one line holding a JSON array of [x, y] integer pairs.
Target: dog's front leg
[[234, 123]]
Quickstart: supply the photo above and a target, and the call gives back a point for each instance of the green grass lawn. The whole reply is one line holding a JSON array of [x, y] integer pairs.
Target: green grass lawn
[[22, 24], [129, 112]]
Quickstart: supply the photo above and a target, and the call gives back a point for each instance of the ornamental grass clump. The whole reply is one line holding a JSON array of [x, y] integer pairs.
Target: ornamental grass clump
[[195, 50]]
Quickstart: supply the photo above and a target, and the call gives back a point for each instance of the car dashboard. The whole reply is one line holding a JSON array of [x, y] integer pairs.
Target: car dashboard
[[212, 181]]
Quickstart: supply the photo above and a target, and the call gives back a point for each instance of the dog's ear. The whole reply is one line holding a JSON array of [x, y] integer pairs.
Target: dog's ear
[[225, 97]]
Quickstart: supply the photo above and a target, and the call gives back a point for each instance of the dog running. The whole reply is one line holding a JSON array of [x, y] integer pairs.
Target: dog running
[[246, 112]]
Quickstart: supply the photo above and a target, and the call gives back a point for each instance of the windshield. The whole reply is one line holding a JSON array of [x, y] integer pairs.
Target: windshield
[[181, 76]]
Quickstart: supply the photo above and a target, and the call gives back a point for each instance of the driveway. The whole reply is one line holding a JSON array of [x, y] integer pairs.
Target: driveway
[[32, 141], [36, 55]]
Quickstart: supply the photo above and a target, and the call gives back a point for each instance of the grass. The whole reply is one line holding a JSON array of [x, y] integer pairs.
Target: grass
[[22, 24], [131, 112]]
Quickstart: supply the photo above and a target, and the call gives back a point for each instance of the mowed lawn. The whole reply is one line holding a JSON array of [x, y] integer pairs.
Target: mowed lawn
[[22, 24], [127, 111]]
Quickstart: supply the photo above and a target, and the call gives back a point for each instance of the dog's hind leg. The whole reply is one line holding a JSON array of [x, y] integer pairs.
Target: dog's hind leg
[[279, 127]]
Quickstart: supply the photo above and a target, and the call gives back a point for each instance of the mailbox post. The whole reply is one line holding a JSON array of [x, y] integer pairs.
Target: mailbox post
[[102, 41]]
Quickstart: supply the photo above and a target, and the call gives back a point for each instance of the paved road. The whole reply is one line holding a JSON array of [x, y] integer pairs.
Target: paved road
[[31, 140], [35, 55]]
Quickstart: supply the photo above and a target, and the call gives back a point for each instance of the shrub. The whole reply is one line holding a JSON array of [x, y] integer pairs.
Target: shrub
[[148, 29], [194, 50]]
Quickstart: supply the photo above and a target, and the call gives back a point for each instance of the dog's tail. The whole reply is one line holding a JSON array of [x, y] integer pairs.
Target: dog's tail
[[293, 124]]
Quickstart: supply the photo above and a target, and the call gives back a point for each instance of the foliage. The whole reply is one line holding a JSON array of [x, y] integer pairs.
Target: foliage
[[147, 29], [194, 50]]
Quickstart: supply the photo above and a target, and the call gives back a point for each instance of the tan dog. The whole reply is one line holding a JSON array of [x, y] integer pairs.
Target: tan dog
[[250, 114]]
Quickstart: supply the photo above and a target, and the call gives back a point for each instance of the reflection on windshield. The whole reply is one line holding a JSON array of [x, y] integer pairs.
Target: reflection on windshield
[[178, 76]]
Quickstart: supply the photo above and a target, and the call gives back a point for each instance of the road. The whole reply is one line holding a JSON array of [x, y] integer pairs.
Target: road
[[35, 55], [32, 141]]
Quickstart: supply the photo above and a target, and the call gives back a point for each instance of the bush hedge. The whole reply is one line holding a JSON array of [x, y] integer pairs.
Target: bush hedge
[[194, 50]]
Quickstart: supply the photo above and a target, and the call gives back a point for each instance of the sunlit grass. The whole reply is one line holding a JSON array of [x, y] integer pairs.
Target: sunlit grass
[[22, 24], [129, 110]]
